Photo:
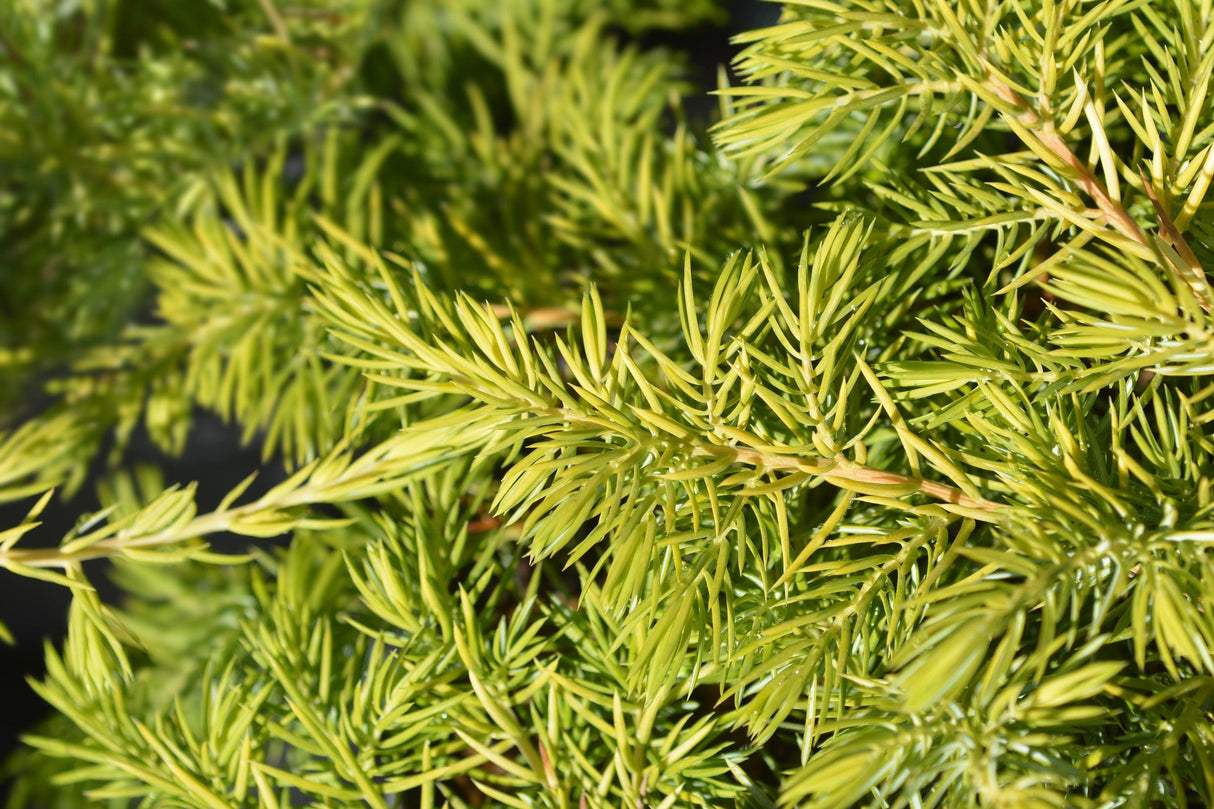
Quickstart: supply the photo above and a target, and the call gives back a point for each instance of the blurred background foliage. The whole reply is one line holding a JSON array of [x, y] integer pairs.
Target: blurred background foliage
[[512, 139]]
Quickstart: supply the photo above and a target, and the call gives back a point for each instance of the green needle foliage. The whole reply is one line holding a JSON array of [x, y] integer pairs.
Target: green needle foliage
[[849, 450]]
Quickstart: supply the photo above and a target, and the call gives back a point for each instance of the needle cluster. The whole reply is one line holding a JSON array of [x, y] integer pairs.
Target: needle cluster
[[848, 450]]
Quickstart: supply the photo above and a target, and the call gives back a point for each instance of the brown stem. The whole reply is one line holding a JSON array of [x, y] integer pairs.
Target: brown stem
[[1048, 137], [482, 523], [1192, 273], [1114, 213], [551, 317], [846, 470]]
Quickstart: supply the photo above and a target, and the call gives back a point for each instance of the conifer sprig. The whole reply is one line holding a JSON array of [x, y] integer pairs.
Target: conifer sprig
[[624, 476]]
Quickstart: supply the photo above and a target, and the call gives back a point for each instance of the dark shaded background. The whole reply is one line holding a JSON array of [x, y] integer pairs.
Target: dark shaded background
[[214, 457]]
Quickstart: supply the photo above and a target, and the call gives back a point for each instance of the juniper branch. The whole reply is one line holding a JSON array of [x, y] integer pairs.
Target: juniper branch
[[163, 529], [1043, 131]]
